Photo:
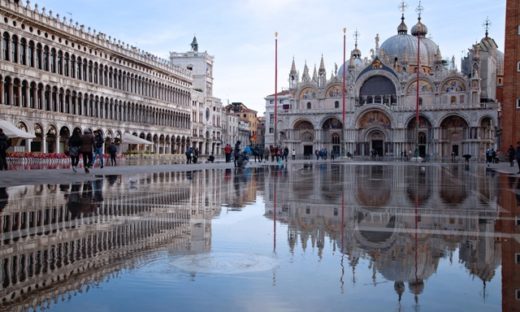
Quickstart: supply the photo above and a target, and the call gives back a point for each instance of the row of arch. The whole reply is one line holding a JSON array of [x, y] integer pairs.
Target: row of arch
[[53, 139], [40, 56], [385, 86], [372, 117], [22, 93]]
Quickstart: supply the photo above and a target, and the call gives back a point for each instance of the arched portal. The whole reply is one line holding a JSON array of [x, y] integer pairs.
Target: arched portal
[[376, 140], [64, 138], [419, 136], [372, 140], [304, 132], [332, 130], [453, 136], [51, 139]]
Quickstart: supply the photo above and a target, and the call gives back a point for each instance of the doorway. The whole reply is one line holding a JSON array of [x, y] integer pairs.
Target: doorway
[[307, 150], [377, 147]]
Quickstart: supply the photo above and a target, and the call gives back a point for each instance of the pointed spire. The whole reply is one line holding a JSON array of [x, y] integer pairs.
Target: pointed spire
[[315, 74], [305, 76], [293, 67], [194, 45], [322, 66]]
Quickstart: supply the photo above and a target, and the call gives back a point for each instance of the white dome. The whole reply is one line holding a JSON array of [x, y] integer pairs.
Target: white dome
[[404, 46]]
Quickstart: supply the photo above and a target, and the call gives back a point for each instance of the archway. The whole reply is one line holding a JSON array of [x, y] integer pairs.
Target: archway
[[377, 90], [453, 135], [372, 137], [332, 130], [50, 137], [304, 132], [64, 138], [420, 136], [22, 142]]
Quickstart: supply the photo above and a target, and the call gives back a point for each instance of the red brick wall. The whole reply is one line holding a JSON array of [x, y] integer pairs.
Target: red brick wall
[[510, 203], [510, 115]]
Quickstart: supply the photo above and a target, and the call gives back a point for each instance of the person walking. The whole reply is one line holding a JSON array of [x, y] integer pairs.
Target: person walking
[[489, 155], [227, 151], [511, 155], [74, 147], [266, 153], [517, 154], [4, 145], [86, 149], [112, 150], [293, 154], [98, 148]]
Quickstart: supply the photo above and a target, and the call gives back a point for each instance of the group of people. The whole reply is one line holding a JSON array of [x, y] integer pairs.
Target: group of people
[[90, 146]]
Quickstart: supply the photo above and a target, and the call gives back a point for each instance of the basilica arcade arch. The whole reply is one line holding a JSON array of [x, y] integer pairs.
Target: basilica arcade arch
[[304, 132], [421, 135], [373, 137], [331, 132], [453, 136]]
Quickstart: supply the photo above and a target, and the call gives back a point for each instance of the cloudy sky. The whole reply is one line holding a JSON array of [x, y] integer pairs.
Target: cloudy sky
[[240, 33]]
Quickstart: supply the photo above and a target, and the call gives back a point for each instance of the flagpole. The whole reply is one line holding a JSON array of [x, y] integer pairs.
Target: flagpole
[[417, 97], [276, 89], [343, 88]]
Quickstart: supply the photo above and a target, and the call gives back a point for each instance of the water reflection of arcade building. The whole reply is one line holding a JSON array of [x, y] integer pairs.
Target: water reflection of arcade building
[[58, 239], [380, 218]]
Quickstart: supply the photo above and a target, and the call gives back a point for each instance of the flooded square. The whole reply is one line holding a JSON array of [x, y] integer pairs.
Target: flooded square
[[318, 237]]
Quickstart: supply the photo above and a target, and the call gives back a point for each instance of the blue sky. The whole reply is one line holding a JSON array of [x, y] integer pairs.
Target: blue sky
[[240, 33]]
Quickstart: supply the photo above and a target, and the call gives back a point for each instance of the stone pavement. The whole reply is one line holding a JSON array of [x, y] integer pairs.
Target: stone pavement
[[57, 176], [505, 168]]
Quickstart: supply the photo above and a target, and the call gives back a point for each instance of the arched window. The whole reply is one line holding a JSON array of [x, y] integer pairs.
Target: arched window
[[30, 54], [453, 100], [90, 71], [46, 58], [47, 99], [5, 46], [14, 50], [7, 94], [60, 63], [24, 93], [309, 105], [53, 61], [85, 69], [39, 57], [78, 68], [23, 51], [66, 64], [73, 66]]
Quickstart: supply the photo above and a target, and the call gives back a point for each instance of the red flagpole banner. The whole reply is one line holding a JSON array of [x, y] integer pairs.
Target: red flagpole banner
[[276, 89]]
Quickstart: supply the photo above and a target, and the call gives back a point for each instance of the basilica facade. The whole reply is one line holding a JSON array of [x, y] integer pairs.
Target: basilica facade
[[458, 110]]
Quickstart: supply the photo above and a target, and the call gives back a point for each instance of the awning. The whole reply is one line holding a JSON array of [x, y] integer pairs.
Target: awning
[[11, 131], [132, 139]]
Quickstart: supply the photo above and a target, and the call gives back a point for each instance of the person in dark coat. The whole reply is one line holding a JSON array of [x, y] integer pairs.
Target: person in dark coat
[[4, 145], [74, 147], [87, 145], [517, 154], [511, 155], [112, 150]]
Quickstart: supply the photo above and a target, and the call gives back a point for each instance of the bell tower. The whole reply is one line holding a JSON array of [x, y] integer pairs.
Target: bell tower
[[510, 119]]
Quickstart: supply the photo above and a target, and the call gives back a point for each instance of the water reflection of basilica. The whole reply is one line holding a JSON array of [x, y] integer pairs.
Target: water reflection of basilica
[[57, 240], [403, 219]]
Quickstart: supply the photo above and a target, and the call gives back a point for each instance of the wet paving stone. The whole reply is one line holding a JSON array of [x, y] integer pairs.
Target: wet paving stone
[[320, 237]]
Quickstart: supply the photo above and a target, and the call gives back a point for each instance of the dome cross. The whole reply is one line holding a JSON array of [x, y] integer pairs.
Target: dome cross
[[487, 24], [419, 9]]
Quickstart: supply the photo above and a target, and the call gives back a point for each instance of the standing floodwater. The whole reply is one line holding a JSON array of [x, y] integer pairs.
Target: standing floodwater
[[324, 238]]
